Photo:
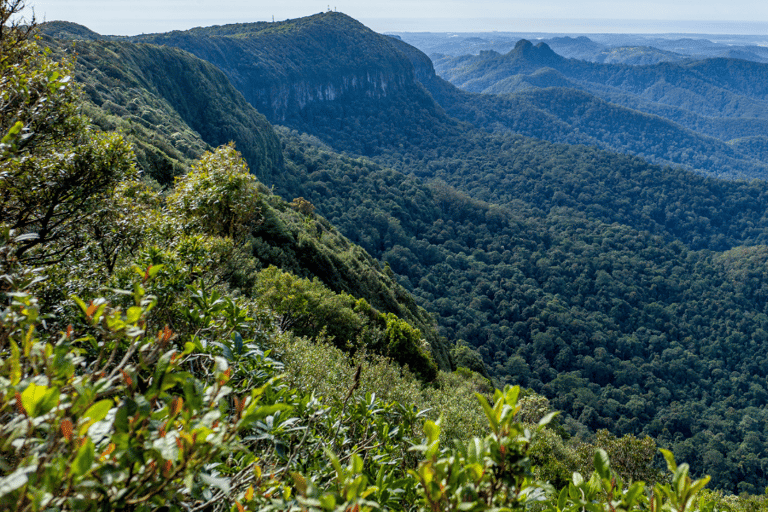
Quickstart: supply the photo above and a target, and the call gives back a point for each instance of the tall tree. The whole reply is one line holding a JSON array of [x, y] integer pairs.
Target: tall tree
[[53, 167]]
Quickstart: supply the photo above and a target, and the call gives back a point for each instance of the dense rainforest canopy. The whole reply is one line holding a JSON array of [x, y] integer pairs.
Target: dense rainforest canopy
[[174, 333]]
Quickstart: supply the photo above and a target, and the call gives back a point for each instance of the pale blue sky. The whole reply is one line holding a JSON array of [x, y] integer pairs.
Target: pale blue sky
[[128, 17]]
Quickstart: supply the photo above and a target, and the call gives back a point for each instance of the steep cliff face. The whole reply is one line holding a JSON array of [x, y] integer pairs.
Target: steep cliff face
[[311, 73], [281, 101], [282, 67]]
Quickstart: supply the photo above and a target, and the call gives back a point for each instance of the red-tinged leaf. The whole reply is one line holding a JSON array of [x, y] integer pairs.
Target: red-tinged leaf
[[20, 404], [178, 404], [106, 453], [127, 378], [66, 429]]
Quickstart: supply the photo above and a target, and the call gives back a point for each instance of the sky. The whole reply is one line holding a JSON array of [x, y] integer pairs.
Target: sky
[[131, 17]]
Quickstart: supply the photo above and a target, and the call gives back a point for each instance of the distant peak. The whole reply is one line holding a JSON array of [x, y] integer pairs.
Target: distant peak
[[524, 49], [544, 49], [523, 45], [68, 30]]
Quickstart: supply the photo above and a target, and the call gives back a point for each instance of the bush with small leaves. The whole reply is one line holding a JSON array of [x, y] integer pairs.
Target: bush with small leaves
[[219, 196]]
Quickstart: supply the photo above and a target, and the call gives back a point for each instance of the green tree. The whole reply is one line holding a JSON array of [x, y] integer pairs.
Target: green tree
[[54, 170], [219, 196]]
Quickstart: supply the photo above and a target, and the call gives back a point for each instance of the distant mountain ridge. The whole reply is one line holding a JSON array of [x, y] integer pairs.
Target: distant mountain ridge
[[550, 106], [636, 49], [715, 98], [715, 85]]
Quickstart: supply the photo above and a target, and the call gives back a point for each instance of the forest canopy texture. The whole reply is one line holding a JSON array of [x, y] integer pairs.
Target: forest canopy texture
[[358, 298]]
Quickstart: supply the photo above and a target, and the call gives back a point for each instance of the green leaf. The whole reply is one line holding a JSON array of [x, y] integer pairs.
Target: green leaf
[[489, 413], [634, 492], [543, 422], [133, 314], [154, 270], [161, 368], [511, 395], [99, 410], [562, 499], [254, 413], [96, 412], [671, 465], [13, 133], [334, 462], [15, 364], [680, 478], [238, 339], [83, 460], [602, 464], [656, 498], [36, 398], [328, 501], [48, 402], [432, 431], [121, 420], [699, 484]]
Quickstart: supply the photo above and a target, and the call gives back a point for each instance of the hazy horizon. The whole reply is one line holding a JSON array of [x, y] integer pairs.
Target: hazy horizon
[[132, 17]]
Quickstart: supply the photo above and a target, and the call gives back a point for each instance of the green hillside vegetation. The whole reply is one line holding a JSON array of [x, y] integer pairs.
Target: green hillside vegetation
[[615, 288], [144, 92], [147, 363], [603, 319], [585, 275]]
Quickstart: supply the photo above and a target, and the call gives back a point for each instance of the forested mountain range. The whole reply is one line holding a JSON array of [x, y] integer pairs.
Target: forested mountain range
[[612, 48], [570, 116], [624, 292], [702, 100]]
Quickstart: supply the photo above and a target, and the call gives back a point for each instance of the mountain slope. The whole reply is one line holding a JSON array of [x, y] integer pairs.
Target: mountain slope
[[143, 90], [550, 106], [713, 87], [148, 86], [324, 67]]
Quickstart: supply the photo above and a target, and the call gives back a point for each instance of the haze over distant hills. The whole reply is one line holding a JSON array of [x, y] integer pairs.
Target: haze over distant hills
[[717, 111], [590, 47]]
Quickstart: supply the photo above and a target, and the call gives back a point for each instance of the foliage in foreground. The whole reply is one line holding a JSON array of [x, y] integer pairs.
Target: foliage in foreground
[[144, 424]]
